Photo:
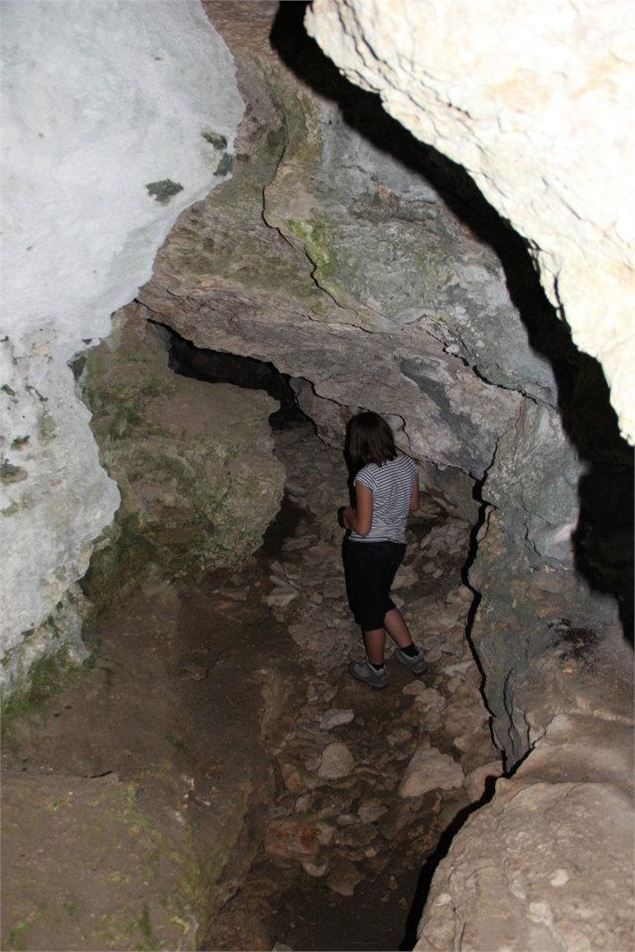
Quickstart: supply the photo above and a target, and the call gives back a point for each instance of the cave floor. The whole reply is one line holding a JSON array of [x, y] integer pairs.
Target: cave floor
[[215, 779]]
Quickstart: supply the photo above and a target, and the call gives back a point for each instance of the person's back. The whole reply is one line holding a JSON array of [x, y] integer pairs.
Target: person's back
[[386, 488], [391, 484]]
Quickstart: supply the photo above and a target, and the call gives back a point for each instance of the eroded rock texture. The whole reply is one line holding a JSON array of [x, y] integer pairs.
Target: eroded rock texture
[[337, 252], [116, 117], [193, 461], [548, 863], [537, 103]]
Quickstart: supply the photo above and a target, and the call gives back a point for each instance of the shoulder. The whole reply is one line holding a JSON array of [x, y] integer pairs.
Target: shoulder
[[407, 462], [367, 475]]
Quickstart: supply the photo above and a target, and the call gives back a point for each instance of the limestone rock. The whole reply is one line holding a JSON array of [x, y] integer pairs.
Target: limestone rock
[[548, 862], [476, 780], [520, 150], [429, 769], [371, 810], [82, 230], [428, 699], [344, 877], [336, 717], [528, 874]]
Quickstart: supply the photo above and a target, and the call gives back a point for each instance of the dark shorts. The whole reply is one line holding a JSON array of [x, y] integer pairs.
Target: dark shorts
[[370, 568]]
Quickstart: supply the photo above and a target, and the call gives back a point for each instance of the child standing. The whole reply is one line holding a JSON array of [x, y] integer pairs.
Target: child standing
[[386, 489]]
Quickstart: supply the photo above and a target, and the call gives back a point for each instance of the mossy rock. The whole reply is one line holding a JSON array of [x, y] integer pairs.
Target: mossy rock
[[174, 445]]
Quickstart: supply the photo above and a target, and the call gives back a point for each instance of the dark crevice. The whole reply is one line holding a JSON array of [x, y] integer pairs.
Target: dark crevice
[[430, 866], [215, 366]]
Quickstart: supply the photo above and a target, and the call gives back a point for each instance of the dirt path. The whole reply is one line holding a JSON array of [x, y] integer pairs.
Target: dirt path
[[343, 846], [216, 763]]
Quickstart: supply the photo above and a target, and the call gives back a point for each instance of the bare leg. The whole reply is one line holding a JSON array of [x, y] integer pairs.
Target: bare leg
[[375, 642], [397, 628]]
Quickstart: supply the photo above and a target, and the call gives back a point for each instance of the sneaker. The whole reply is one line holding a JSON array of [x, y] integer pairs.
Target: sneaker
[[415, 662], [363, 672]]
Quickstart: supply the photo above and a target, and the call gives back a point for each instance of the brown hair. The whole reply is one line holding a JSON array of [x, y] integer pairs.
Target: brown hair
[[369, 439]]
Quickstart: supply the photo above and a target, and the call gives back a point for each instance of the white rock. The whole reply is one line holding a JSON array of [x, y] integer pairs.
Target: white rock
[[475, 780], [427, 698], [81, 234], [405, 577], [316, 869], [371, 810], [459, 669], [281, 598], [429, 769]]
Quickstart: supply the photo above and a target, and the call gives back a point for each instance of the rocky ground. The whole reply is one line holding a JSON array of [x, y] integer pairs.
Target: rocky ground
[[216, 777], [367, 780]]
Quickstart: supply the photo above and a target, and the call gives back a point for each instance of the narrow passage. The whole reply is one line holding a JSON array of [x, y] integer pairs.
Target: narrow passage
[[366, 781], [216, 767]]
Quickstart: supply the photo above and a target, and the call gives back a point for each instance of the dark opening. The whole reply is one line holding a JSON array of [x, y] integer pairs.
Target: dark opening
[[216, 366]]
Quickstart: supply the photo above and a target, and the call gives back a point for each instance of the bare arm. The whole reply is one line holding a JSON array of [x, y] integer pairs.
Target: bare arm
[[414, 499], [360, 519]]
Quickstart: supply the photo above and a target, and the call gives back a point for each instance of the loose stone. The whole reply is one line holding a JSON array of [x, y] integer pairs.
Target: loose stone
[[429, 769], [344, 878], [371, 810], [292, 838], [337, 761], [335, 718]]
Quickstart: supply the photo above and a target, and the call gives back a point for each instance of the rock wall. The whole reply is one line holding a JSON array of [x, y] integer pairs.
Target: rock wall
[[193, 462], [116, 117], [534, 158], [547, 864], [533, 102], [536, 102], [366, 268]]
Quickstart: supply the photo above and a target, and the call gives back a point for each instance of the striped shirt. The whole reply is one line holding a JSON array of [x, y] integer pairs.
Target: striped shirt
[[391, 485]]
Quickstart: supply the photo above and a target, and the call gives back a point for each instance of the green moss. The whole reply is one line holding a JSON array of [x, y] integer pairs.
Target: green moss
[[46, 678], [7, 389], [225, 165], [45, 426], [144, 926], [215, 138], [300, 229], [317, 236], [17, 938], [70, 908], [10, 473], [19, 441], [276, 141], [176, 742], [163, 190]]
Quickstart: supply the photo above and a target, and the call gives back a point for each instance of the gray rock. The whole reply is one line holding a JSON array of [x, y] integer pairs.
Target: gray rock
[[336, 762], [336, 717]]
